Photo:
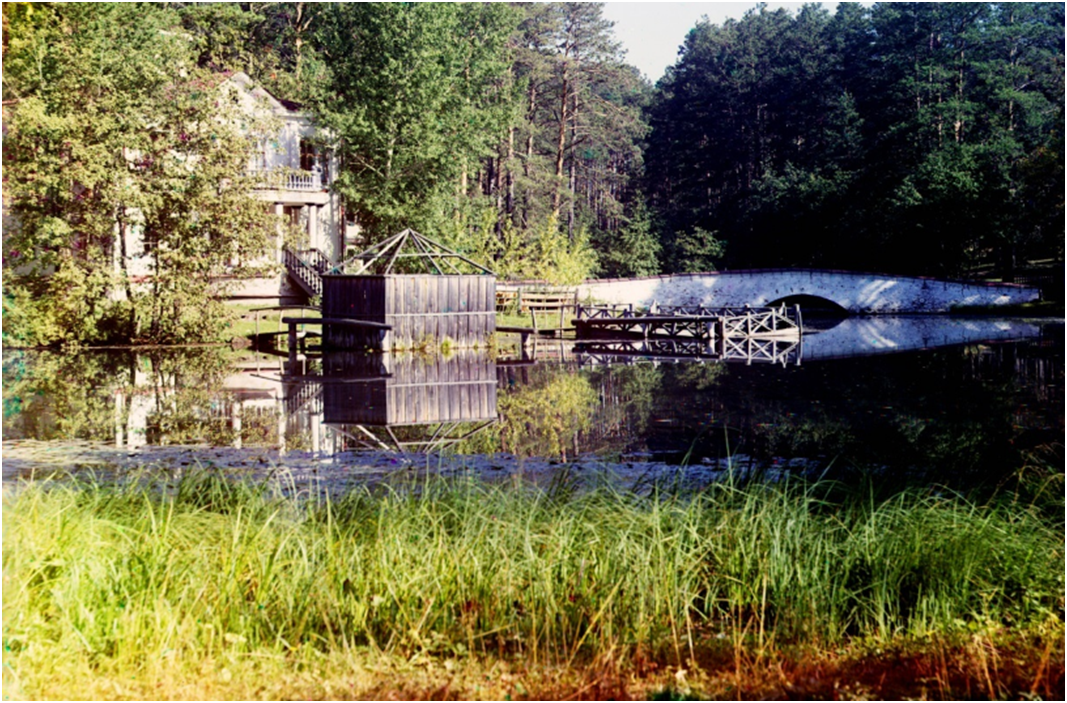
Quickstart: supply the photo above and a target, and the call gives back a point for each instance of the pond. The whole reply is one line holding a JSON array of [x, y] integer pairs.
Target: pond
[[961, 402]]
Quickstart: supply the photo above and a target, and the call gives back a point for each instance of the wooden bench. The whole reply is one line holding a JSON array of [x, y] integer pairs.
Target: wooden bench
[[542, 300]]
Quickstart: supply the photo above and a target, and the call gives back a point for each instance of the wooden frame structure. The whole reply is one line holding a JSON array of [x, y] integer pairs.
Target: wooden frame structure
[[406, 292], [686, 322], [391, 251], [747, 350]]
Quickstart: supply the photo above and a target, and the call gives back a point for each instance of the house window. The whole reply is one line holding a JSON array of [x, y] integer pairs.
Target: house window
[[311, 161], [307, 155]]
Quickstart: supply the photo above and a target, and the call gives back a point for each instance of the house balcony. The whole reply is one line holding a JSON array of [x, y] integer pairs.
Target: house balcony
[[290, 185]]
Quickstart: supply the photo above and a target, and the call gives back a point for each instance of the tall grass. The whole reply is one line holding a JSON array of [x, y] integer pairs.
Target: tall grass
[[129, 574]]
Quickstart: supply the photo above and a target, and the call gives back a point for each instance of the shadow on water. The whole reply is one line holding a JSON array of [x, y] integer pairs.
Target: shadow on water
[[955, 401]]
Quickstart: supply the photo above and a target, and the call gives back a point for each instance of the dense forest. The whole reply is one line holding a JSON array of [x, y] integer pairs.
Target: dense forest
[[919, 138]]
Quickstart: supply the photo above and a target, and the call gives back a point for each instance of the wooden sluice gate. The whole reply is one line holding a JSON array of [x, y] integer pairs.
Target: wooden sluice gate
[[407, 292], [613, 334]]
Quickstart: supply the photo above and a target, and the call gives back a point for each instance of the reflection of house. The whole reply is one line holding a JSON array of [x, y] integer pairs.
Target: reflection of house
[[294, 176]]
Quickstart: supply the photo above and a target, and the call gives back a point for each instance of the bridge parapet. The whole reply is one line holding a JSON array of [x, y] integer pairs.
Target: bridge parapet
[[858, 293]]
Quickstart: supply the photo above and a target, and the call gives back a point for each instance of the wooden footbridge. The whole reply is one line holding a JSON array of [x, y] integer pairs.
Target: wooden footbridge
[[693, 322], [615, 333]]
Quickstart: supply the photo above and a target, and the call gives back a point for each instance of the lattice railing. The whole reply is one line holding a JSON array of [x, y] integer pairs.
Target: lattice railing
[[601, 312]]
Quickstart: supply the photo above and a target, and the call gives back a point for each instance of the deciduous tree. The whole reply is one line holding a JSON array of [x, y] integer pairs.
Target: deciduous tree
[[120, 151]]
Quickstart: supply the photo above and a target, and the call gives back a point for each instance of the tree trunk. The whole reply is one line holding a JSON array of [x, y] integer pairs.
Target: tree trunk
[[509, 179], [561, 143]]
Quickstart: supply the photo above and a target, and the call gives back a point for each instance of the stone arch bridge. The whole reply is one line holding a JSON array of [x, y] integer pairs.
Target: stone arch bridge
[[856, 293]]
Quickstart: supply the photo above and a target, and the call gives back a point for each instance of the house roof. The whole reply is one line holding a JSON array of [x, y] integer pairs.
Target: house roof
[[277, 105]]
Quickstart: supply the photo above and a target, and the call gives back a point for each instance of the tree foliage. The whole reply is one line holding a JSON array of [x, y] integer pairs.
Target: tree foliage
[[414, 95], [918, 138], [897, 137], [124, 166]]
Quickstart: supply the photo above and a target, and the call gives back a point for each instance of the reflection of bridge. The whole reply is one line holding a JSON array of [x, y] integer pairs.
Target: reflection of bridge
[[860, 293], [732, 349], [867, 336]]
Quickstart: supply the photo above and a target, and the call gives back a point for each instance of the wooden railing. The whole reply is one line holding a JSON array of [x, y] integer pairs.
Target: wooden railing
[[545, 300], [688, 321], [759, 322], [306, 266], [597, 312]]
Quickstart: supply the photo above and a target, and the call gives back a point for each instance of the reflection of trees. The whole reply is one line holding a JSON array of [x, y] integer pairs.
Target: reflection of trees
[[963, 416], [559, 412], [177, 395], [59, 396], [627, 396], [546, 417]]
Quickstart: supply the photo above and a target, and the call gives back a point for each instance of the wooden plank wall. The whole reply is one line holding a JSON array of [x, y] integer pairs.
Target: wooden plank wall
[[355, 297], [422, 309], [418, 390], [425, 309]]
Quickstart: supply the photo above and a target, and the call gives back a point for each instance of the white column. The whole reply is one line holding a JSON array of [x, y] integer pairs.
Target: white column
[[120, 407], [313, 227], [282, 424], [316, 434], [279, 211]]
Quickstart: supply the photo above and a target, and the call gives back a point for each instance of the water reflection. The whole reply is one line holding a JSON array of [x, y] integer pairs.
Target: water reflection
[[405, 402], [955, 413], [746, 350], [884, 334]]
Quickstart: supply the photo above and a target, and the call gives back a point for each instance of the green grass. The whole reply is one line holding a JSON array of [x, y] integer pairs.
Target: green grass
[[544, 320], [126, 578]]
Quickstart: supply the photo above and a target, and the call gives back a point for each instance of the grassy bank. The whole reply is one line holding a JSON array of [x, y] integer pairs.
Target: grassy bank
[[219, 589]]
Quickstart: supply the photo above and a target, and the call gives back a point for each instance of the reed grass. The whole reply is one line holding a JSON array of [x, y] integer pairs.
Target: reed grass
[[210, 570]]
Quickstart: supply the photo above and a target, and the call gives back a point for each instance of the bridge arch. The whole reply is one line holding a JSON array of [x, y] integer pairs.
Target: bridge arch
[[812, 304]]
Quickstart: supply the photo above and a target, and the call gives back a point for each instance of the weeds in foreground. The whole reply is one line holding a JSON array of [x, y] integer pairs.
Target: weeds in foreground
[[213, 575]]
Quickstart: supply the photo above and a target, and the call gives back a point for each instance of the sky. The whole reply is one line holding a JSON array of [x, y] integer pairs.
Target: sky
[[651, 32]]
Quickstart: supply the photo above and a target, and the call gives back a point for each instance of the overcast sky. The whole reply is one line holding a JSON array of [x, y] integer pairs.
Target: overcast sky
[[651, 32]]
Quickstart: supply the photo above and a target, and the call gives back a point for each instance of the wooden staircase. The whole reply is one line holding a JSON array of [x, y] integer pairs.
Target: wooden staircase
[[306, 267]]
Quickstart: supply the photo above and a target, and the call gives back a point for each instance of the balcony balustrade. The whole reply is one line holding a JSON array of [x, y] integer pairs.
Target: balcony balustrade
[[288, 179]]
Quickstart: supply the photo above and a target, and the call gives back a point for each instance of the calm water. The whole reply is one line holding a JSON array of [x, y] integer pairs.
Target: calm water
[[947, 400]]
